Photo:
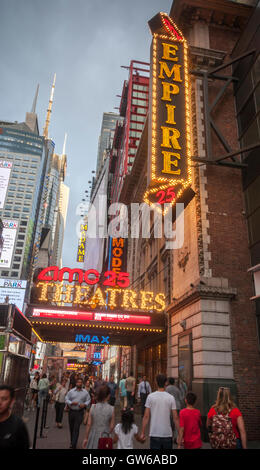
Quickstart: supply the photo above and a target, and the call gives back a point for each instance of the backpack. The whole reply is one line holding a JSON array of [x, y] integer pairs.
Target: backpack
[[222, 435]]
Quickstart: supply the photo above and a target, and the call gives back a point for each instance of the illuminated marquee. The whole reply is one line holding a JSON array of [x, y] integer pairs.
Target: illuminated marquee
[[127, 299], [169, 163]]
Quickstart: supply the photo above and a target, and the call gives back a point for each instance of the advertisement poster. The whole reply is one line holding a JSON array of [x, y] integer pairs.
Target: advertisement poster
[[9, 235], [14, 290], [54, 366], [5, 171]]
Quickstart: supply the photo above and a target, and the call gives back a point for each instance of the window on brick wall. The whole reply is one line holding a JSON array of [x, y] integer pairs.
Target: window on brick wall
[[185, 359], [167, 279]]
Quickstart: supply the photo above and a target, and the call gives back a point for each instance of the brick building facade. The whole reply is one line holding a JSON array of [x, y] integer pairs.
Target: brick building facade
[[212, 335]]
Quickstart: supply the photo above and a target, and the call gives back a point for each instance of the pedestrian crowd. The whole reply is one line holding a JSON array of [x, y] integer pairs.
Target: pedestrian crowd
[[170, 412]]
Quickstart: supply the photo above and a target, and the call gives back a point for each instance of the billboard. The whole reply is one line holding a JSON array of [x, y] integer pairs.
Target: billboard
[[9, 236], [5, 171], [14, 290], [54, 367]]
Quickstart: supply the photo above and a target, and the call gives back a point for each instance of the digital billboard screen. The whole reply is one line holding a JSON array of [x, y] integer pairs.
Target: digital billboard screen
[[99, 317], [9, 236], [14, 290], [5, 171]]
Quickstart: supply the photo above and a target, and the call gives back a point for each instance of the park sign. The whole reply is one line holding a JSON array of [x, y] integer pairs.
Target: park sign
[[169, 134]]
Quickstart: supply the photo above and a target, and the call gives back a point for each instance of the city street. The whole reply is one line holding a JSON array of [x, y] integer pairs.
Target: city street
[[55, 438], [130, 224]]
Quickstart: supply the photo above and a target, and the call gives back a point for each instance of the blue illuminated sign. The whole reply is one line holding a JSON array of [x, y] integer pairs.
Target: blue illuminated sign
[[97, 355], [92, 339]]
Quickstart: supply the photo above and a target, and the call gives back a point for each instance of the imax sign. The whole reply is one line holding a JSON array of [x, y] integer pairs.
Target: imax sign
[[92, 339]]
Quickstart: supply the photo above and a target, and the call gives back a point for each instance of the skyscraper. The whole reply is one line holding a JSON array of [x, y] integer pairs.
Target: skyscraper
[[54, 202], [22, 152], [60, 224], [105, 141], [33, 197]]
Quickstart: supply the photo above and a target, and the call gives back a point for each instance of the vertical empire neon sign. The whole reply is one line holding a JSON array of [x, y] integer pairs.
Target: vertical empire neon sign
[[169, 148]]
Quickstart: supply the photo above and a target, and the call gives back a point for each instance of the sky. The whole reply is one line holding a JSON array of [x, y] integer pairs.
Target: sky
[[84, 42]]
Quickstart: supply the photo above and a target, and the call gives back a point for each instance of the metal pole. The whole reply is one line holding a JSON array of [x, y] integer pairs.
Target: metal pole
[[231, 62], [46, 411], [36, 427], [207, 116], [42, 420]]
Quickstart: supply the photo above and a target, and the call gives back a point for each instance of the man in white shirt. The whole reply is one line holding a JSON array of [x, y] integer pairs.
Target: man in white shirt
[[144, 388], [77, 399], [159, 407]]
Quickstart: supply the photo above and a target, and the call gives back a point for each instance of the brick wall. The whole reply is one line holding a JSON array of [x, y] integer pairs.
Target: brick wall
[[230, 255]]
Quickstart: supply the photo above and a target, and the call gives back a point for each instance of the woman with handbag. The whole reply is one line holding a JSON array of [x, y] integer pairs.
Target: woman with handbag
[[101, 421]]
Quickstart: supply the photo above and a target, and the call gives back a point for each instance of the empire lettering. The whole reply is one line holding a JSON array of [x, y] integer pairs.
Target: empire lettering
[[169, 134]]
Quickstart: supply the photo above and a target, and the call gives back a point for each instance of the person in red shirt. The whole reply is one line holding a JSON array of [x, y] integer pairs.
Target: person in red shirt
[[225, 405], [190, 423]]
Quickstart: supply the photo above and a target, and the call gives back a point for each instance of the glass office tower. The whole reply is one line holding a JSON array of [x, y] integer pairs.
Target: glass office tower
[[22, 152]]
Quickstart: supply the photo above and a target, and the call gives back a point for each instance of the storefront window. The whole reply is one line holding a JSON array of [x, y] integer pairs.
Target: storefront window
[[185, 359]]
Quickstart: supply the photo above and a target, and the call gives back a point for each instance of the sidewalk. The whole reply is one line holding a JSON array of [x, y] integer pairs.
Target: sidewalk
[[56, 438]]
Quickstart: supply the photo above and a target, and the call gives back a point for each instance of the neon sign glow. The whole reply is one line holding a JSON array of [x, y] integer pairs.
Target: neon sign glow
[[81, 338], [169, 165], [53, 273]]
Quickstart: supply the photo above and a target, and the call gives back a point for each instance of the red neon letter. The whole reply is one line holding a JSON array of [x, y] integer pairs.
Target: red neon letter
[[91, 281], [173, 30], [43, 277], [123, 280], [71, 274]]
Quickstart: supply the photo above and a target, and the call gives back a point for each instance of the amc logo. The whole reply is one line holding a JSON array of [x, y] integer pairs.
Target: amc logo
[[53, 273], [92, 339]]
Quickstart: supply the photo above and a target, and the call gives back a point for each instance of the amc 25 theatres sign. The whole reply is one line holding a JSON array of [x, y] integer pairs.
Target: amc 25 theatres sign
[[169, 136]]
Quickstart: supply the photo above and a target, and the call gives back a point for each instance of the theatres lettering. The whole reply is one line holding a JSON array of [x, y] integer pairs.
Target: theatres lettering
[[61, 293]]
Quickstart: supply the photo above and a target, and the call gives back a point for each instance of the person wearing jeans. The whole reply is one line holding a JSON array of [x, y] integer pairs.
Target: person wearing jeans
[[78, 400], [60, 392], [160, 406], [130, 390], [123, 394], [43, 387]]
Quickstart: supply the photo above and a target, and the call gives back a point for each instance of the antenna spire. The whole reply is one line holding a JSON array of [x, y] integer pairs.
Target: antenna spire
[[35, 99], [64, 145], [48, 117]]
